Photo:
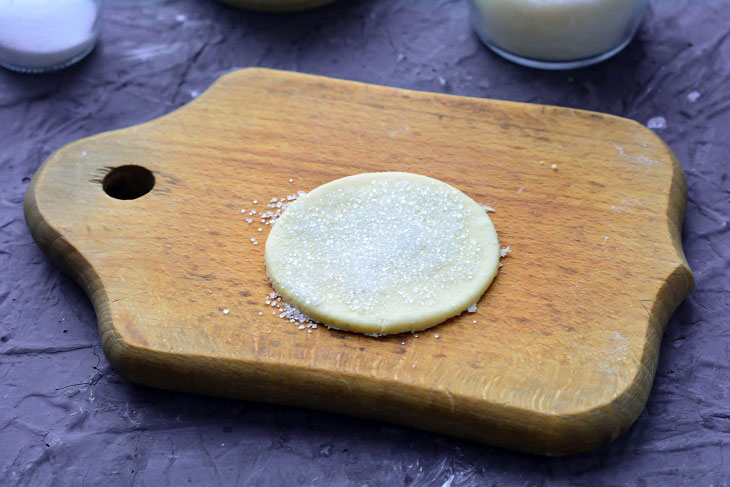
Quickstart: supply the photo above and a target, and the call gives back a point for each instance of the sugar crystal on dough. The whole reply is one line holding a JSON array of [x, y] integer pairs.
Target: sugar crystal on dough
[[371, 246]]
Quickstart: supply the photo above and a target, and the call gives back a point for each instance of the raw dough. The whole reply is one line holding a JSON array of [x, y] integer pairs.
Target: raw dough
[[382, 253]]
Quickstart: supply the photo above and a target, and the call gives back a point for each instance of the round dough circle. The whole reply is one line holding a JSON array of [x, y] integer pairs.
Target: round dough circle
[[382, 253]]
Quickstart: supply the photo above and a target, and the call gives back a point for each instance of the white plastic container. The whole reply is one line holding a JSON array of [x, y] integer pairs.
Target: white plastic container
[[556, 34], [44, 35]]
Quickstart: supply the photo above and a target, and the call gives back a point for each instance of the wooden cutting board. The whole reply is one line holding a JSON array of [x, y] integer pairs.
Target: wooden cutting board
[[562, 351]]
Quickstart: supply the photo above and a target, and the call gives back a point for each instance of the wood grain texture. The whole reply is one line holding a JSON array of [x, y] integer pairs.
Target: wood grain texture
[[564, 349]]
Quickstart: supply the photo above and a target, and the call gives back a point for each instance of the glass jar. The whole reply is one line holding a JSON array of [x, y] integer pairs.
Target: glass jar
[[37, 36], [556, 34]]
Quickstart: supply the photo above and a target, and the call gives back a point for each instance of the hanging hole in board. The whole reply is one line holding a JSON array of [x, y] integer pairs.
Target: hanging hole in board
[[128, 182]]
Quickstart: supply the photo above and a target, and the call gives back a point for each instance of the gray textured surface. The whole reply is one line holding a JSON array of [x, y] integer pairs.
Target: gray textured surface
[[67, 418]]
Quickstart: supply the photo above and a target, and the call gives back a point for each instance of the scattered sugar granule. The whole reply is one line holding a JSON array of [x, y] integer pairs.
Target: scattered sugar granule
[[402, 343], [226, 311], [261, 229], [249, 220], [414, 366], [472, 308], [488, 208], [309, 331], [521, 190], [261, 313], [255, 202], [657, 123], [291, 180], [436, 335], [693, 96], [293, 315], [301, 327], [554, 167], [542, 162], [243, 210], [474, 321], [503, 252]]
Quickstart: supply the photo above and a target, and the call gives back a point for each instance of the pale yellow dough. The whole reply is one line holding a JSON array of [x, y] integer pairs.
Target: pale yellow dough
[[382, 253]]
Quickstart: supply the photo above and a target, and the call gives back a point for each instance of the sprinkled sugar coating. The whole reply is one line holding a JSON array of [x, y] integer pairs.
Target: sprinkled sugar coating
[[382, 253]]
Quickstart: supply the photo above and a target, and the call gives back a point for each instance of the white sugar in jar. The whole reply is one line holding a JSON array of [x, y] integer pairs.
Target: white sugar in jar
[[45, 35], [556, 34]]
